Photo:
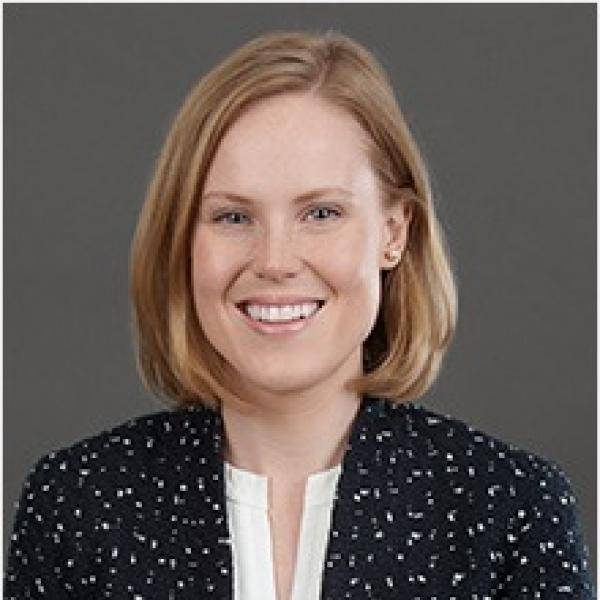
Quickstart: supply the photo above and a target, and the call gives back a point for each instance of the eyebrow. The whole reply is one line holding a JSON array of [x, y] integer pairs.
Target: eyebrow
[[304, 197]]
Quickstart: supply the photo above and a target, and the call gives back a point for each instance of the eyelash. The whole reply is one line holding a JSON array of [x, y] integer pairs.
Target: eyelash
[[219, 218]]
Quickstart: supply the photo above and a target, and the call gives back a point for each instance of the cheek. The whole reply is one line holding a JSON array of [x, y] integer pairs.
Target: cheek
[[212, 267], [351, 264]]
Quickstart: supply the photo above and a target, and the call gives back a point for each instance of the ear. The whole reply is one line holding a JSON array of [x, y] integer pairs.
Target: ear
[[395, 234]]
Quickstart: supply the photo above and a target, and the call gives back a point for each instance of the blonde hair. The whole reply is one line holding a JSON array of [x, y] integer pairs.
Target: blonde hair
[[417, 317]]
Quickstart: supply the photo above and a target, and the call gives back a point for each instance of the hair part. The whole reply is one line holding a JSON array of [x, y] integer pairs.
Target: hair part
[[417, 318]]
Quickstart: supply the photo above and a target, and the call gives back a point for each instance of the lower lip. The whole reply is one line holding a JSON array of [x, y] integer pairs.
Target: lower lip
[[279, 328]]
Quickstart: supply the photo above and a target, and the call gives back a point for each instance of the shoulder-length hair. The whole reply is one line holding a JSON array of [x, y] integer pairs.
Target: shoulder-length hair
[[417, 316]]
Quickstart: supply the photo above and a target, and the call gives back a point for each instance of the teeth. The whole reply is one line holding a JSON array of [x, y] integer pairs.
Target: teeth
[[281, 313]]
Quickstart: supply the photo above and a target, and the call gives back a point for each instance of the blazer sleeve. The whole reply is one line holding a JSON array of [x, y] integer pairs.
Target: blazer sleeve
[[36, 551], [548, 557]]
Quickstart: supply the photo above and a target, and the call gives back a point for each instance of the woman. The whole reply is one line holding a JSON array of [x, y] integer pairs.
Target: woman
[[292, 295]]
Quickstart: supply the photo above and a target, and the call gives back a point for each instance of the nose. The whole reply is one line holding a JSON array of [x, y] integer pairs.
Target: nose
[[274, 256]]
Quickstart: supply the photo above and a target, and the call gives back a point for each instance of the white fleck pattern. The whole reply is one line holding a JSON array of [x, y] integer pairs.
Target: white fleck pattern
[[426, 508]]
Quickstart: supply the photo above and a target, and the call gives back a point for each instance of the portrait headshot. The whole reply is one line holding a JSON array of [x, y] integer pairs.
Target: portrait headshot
[[299, 301]]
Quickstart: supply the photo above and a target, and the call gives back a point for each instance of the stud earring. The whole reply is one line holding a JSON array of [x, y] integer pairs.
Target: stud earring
[[393, 255]]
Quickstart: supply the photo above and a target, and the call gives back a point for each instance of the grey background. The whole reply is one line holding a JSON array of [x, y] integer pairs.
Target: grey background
[[502, 100]]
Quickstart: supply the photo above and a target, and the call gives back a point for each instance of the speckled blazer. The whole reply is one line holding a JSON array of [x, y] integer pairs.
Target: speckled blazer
[[426, 508]]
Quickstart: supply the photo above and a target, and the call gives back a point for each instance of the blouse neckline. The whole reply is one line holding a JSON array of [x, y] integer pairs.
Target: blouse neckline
[[251, 489]]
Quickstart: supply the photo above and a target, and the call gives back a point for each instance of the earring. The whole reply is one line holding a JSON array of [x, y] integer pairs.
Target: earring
[[393, 255]]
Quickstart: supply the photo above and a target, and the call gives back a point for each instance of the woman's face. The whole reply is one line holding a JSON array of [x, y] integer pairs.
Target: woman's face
[[262, 234]]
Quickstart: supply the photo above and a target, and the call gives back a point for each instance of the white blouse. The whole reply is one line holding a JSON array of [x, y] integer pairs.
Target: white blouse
[[247, 504]]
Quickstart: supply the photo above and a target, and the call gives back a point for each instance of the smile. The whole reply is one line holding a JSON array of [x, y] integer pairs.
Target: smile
[[274, 319]]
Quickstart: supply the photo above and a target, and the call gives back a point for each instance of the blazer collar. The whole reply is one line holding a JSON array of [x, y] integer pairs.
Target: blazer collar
[[367, 482]]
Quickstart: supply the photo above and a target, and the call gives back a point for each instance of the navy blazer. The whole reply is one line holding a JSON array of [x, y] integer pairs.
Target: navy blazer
[[426, 507]]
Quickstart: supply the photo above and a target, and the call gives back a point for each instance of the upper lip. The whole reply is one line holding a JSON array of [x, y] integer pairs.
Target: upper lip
[[280, 300]]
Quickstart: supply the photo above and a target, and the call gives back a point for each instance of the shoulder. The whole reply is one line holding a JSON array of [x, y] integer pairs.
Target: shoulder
[[92, 493], [459, 439], [467, 454], [145, 439], [477, 472], [517, 504]]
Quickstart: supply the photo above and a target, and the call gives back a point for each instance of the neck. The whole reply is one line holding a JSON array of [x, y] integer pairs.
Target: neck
[[289, 439]]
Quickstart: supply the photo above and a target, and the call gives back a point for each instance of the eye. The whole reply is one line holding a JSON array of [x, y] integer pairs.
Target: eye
[[234, 217], [324, 210], [222, 218]]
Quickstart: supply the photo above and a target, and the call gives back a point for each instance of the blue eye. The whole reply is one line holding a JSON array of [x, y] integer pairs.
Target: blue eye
[[232, 217], [222, 217], [324, 208]]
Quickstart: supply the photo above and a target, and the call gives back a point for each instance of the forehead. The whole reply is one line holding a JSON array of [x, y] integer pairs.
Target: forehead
[[290, 143]]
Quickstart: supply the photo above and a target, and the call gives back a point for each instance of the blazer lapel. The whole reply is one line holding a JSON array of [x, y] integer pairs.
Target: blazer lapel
[[366, 538]]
